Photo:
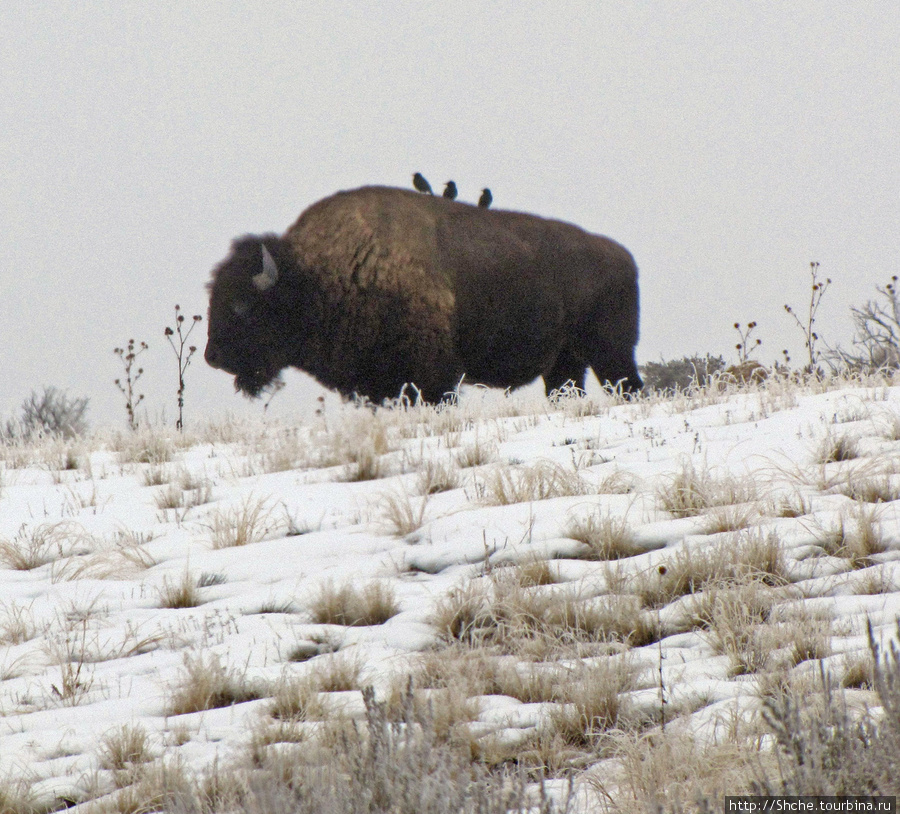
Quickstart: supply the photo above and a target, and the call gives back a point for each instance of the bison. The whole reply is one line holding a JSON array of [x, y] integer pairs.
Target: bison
[[378, 287]]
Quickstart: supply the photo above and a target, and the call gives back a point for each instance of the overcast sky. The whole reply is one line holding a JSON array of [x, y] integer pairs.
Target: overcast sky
[[726, 144]]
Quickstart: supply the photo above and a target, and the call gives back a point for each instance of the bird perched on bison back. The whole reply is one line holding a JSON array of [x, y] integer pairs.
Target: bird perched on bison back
[[378, 287], [450, 190], [421, 184], [486, 198]]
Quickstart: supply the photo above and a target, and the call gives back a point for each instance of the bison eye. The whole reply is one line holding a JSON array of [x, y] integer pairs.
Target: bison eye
[[240, 307]]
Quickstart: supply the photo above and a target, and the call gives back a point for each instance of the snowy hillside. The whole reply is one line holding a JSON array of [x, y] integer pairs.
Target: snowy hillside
[[558, 580]]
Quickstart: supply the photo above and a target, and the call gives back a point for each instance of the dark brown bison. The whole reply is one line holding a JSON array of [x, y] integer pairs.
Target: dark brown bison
[[378, 287]]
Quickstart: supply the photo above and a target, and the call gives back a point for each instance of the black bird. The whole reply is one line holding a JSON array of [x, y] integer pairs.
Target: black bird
[[421, 184], [486, 198], [450, 190]]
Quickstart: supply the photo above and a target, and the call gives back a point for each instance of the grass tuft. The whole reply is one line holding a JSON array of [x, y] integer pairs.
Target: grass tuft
[[348, 605]]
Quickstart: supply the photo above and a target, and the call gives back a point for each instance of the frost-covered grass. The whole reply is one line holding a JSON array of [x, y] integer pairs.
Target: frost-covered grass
[[641, 597]]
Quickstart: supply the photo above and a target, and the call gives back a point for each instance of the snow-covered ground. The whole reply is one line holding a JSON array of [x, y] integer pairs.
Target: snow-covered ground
[[266, 525]]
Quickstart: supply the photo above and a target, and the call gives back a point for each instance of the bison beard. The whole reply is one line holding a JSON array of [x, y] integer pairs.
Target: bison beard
[[378, 287]]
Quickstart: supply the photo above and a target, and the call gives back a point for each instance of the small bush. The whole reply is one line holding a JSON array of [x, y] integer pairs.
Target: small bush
[[681, 374], [52, 413]]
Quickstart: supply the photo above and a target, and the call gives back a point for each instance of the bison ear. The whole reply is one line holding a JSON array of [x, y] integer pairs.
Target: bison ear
[[269, 274]]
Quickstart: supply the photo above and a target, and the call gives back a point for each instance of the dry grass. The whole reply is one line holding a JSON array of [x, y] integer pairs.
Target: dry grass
[[606, 537], [76, 679], [36, 546], [749, 556], [298, 699], [856, 535], [241, 525], [349, 605], [337, 672], [872, 489], [182, 594], [836, 448], [478, 453], [437, 476], [730, 518], [208, 684], [125, 752], [795, 504], [147, 446], [481, 671], [592, 702], [537, 622], [658, 770], [17, 624], [523, 483], [401, 513], [690, 492]]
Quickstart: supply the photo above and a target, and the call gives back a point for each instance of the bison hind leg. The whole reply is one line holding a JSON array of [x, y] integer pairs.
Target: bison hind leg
[[568, 369]]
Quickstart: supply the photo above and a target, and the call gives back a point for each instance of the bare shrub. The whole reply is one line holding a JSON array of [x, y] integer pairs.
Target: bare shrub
[[681, 374], [826, 748], [373, 604], [52, 413], [395, 760], [877, 332]]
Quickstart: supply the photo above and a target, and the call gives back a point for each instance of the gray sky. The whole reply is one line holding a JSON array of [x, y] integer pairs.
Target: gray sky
[[726, 144]]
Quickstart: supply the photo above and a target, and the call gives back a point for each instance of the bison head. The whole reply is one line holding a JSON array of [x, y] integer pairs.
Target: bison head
[[244, 314]]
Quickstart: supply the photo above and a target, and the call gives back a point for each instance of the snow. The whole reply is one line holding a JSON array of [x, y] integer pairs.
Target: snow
[[92, 612]]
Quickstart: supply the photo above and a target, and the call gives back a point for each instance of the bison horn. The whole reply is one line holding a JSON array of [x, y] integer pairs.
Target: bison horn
[[269, 274]]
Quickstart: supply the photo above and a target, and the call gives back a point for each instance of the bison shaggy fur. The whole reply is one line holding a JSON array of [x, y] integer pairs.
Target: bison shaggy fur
[[377, 287]]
